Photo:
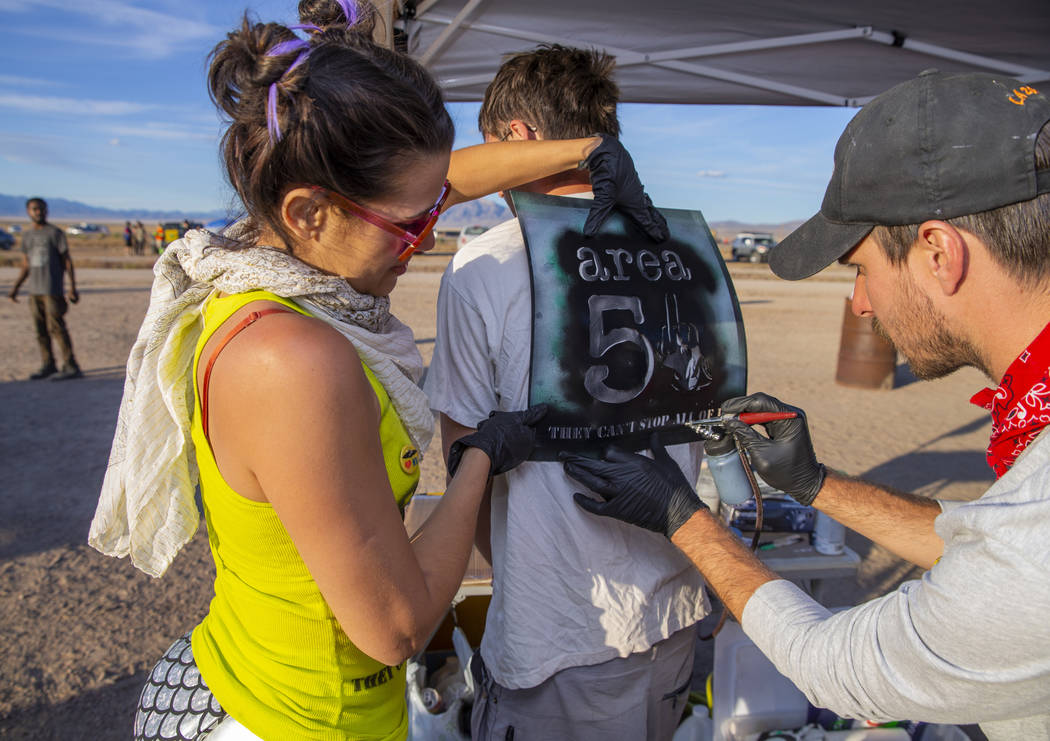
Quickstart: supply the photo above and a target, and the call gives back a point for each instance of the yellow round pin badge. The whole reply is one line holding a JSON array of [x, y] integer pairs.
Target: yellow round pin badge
[[409, 459]]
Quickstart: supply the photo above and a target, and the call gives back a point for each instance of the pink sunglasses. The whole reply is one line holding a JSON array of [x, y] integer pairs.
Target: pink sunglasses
[[412, 233]]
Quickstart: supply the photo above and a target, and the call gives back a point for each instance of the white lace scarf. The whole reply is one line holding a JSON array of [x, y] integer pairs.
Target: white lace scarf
[[147, 509]]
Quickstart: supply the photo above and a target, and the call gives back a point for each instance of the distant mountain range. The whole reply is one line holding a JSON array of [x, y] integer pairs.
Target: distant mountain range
[[62, 209], [488, 212], [485, 212]]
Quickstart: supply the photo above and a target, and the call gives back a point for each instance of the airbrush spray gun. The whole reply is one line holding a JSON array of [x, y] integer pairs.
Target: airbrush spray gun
[[723, 458], [734, 483]]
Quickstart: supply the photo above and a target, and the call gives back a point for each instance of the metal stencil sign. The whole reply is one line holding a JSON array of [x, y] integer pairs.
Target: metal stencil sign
[[628, 336]]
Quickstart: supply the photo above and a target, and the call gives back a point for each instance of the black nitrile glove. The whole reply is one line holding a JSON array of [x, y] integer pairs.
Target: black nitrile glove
[[648, 492], [785, 460], [616, 185], [505, 437]]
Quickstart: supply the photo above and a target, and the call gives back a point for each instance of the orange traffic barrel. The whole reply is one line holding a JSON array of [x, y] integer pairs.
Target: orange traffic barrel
[[866, 360]]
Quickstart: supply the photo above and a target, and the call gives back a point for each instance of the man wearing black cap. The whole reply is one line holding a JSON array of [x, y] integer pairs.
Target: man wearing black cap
[[941, 200]]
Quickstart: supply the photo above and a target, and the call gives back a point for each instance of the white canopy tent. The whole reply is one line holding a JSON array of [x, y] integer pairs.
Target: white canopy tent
[[768, 52]]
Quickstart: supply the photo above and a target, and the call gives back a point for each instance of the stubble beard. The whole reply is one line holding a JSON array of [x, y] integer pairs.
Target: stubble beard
[[921, 334]]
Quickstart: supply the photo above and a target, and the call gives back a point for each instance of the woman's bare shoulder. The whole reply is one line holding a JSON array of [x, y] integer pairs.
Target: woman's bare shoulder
[[292, 356]]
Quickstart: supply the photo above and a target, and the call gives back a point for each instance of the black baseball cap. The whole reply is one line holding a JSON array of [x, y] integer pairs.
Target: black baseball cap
[[935, 147]]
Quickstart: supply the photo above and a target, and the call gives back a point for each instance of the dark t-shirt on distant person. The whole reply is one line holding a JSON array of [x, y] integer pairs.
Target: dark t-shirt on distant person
[[45, 248]]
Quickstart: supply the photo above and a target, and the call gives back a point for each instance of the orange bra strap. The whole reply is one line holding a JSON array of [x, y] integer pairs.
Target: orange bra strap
[[243, 324]]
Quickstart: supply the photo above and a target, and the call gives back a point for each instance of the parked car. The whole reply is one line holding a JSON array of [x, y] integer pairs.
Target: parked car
[[468, 233], [15, 228], [172, 231], [86, 229], [752, 246], [7, 241]]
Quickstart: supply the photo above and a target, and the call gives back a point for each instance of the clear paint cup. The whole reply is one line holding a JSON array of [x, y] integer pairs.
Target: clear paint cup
[[829, 535]]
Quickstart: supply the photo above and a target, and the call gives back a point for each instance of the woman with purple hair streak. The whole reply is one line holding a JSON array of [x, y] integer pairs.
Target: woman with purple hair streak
[[269, 370]]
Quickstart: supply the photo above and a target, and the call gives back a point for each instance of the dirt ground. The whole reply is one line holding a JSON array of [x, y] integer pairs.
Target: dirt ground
[[81, 630]]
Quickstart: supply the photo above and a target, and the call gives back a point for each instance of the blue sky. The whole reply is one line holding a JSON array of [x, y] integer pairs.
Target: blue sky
[[103, 101]]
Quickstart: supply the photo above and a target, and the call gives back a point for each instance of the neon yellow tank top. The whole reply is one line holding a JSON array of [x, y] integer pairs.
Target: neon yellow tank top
[[270, 648]]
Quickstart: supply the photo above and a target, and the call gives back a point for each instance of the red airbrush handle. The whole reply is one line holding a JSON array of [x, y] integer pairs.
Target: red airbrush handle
[[760, 418]]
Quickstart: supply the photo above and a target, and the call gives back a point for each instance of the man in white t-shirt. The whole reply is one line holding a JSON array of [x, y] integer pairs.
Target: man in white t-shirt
[[591, 629]]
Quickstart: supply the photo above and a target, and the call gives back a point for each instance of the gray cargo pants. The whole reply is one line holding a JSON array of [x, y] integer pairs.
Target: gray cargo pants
[[637, 698]]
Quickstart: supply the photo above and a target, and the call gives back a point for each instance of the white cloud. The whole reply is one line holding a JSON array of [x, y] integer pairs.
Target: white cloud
[[204, 116], [120, 24], [168, 132], [673, 122], [72, 106], [27, 81], [44, 151], [114, 142], [711, 173], [760, 184]]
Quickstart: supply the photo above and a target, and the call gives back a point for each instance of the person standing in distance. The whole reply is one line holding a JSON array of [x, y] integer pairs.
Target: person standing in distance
[[138, 233], [940, 199], [45, 261]]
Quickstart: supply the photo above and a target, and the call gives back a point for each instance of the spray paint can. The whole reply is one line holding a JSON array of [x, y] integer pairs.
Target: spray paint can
[[727, 471], [829, 536]]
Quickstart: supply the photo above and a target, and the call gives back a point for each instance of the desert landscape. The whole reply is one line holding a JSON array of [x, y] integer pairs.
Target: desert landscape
[[82, 630]]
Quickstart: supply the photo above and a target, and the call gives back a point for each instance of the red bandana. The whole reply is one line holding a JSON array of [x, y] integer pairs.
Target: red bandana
[[1020, 407]]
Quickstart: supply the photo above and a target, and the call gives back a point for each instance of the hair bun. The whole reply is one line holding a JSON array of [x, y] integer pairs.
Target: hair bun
[[241, 69], [346, 118], [342, 15]]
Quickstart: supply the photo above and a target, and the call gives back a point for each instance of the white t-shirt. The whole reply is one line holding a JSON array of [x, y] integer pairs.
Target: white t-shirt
[[569, 588]]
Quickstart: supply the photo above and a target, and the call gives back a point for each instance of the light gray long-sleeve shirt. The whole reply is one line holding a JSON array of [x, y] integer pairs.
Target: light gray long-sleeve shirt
[[967, 643]]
